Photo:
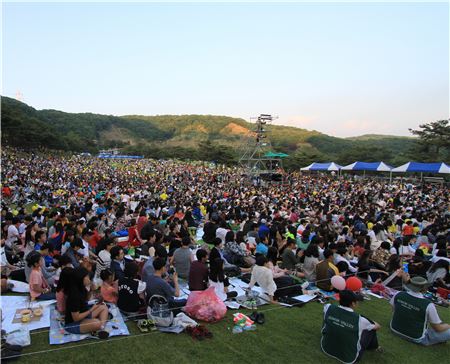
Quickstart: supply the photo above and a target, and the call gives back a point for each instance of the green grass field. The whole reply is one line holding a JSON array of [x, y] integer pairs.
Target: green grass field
[[290, 335]]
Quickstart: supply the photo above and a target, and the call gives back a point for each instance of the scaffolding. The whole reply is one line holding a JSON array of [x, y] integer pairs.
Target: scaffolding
[[257, 158]]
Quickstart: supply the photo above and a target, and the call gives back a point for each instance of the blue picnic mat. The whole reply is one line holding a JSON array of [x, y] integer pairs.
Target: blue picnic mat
[[58, 335]]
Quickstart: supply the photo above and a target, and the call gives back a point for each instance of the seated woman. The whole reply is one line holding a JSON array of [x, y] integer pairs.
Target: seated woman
[[39, 288], [365, 269], [131, 294], [262, 274], [235, 254], [80, 318], [311, 260], [109, 288], [219, 281], [285, 283], [62, 289]]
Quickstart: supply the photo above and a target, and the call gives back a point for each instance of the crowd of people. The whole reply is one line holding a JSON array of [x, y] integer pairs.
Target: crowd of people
[[127, 230]]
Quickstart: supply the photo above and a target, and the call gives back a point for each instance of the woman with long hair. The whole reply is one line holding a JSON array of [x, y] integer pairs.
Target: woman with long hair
[[219, 281], [80, 318]]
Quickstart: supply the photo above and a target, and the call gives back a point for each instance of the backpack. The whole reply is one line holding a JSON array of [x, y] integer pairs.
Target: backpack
[[158, 310]]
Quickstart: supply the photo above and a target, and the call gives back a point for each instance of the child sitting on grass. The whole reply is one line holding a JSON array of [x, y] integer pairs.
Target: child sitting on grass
[[109, 288]]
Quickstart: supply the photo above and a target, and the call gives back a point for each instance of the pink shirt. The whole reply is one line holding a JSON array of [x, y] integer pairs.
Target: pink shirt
[[36, 278], [108, 291]]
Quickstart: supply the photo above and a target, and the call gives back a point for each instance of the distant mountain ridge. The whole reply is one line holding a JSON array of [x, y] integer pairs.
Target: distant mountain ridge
[[184, 136]]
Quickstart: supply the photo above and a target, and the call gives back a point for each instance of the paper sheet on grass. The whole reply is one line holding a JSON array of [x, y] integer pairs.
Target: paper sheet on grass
[[304, 297], [58, 335], [19, 287], [9, 305]]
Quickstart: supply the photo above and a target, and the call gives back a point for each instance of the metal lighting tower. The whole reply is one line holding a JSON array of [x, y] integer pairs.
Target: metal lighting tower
[[256, 158]]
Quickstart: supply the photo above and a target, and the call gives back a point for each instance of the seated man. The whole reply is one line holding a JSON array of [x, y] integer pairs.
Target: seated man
[[182, 258], [131, 291], [198, 274], [156, 285], [345, 333], [413, 312], [325, 270]]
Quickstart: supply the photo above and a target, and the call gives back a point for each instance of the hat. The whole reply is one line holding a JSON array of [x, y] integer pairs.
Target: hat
[[263, 221], [417, 284]]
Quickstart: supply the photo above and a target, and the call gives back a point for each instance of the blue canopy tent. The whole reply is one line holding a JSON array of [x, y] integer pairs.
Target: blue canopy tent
[[331, 166], [423, 167], [365, 166]]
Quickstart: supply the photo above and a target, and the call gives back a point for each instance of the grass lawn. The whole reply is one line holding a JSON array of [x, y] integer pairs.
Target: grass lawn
[[290, 335]]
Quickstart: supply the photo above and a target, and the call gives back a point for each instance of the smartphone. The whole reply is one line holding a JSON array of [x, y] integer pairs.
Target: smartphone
[[405, 267]]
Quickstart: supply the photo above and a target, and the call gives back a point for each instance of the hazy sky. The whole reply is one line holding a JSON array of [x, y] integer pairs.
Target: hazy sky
[[343, 69]]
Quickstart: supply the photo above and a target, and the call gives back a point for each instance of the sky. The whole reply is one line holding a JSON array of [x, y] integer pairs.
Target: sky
[[344, 69]]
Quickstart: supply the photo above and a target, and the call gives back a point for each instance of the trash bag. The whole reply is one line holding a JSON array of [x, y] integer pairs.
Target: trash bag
[[205, 306]]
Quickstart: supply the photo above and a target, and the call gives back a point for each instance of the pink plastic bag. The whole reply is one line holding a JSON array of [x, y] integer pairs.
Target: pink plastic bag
[[205, 306]]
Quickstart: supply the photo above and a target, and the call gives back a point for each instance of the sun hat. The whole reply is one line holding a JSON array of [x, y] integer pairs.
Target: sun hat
[[417, 284]]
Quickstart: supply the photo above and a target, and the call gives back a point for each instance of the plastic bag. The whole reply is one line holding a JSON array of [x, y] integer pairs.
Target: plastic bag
[[19, 337], [158, 310], [205, 306]]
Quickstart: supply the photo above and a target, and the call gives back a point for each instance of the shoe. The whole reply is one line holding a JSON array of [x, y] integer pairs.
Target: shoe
[[101, 334], [205, 332], [260, 318]]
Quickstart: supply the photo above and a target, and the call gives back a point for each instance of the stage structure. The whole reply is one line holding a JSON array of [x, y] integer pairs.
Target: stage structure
[[257, 158]]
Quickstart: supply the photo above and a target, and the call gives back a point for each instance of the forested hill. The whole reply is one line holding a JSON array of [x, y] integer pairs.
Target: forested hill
[[205, 137]]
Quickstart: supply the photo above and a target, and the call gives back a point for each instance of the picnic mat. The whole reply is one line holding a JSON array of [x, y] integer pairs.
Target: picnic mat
[[58, 335], [9, 305]]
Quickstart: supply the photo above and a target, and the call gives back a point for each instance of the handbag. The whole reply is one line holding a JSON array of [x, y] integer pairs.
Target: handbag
[[158, 310]]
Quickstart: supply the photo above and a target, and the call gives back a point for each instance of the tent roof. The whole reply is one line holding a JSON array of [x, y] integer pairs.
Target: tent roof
[[368, 166], [330, 166], [423, 167]]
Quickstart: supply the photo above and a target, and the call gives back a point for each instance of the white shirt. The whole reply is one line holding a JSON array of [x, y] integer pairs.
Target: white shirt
[[85, 250], [264, 277], [431, 312], [13, 235], [3, 260], [220, 233], [340, 258]]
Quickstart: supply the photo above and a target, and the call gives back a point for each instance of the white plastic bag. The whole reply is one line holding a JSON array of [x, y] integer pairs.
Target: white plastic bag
[[19, 337]]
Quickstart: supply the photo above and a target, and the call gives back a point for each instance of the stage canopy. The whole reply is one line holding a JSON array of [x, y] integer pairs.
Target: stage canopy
[[423, 167], [322, 167], [276, 155], [365, 166]]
